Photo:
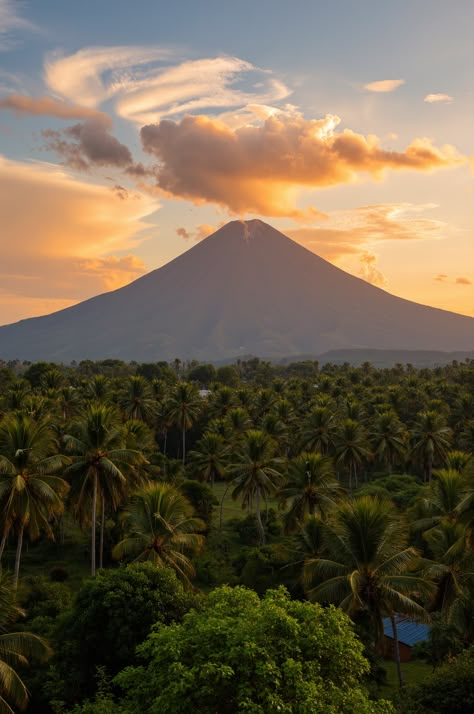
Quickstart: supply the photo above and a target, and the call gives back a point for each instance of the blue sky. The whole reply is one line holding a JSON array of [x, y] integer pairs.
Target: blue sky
[[130, 130]]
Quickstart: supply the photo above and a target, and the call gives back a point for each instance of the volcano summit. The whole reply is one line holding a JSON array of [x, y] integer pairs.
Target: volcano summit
[[246, 289]]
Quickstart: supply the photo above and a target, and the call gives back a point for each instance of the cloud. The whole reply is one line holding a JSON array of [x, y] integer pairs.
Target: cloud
[[441, 277], [89, 144], [438, 99], [11, 20], [384, 85], [463, 281], [201, 232], [345, 233], [259, 169], [146, 87], [45, 106], [60, 237]]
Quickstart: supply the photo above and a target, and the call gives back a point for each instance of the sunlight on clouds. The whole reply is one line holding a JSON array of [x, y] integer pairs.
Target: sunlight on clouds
[[147, 89], [438, 99], [58, 234], [384, 85]]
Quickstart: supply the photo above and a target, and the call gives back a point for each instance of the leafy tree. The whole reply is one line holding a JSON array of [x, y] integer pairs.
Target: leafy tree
[[352, 448], [388, 439], [239, 653], [30, 493], [208, 460], [163, 529], [112, 614], [137, 400]]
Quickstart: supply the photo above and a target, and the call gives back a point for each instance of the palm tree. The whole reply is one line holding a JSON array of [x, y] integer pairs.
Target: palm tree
[[388, 438], [163, 529], [318, 430], [98, 469], [431, 439], [367, 568], [208, 458], [184, 406], [311, 487], [137, 401], [352, 448], [257, 473], [30, 493], [16, 649]]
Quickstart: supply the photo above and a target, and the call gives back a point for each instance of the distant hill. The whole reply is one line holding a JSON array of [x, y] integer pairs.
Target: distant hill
[[246, 289]]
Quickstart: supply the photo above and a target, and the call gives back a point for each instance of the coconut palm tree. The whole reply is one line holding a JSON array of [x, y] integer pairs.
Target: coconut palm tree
[[163, 529], [311, 488], [100, 463], [30, 492], [367, 568], [16, 649], [208, 460], [319, 430], [184, 406], [257, 473], [352, 448], [137, 400], [388, 437], [431, 439]]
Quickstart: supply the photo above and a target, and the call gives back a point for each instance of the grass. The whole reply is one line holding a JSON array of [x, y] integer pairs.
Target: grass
[[414, 672], [232, 509]]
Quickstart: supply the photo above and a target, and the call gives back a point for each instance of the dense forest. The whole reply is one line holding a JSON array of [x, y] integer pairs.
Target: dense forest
[[182, 537]]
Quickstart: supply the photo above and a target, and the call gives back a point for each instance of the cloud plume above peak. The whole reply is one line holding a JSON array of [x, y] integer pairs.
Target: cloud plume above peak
[[259, 168]]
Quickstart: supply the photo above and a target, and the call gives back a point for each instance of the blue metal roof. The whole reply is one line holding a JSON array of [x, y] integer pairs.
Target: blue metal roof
[[409, 632]]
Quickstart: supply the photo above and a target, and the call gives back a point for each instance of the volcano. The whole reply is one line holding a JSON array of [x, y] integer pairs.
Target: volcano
[[246, 289]]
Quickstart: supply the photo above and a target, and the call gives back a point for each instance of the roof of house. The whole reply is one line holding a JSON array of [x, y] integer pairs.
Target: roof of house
[[409, 632]]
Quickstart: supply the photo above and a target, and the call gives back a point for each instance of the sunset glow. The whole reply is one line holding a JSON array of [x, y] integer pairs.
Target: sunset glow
[[124, 139]]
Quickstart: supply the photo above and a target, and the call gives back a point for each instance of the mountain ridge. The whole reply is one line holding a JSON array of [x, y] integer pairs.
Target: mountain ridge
[[247, 288]]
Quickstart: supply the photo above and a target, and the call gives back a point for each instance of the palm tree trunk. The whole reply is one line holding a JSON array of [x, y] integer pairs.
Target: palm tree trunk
[[259, 520], [93, 524], [102, 528], [19, 546], [2, 545], [396, 649], [184, 445]]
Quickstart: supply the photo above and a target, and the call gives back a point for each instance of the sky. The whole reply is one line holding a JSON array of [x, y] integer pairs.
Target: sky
[[131, 130]]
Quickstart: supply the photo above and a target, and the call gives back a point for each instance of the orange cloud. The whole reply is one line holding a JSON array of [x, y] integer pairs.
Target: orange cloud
[[350, 232], [463, 281], [384, 85], [201, 232], [59, 238], [259, 169], [45, 106]]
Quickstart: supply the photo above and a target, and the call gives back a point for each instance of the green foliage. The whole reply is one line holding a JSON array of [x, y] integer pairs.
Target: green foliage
[[201, 498], [242, 654], [110, 616], [450, 690]]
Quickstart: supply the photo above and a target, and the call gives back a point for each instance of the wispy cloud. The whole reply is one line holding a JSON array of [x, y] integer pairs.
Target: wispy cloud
[[438, 99], [258, 169], [45, 106], [148, 83], [201, 232], [384, 85], [11, 21], [463, 281]]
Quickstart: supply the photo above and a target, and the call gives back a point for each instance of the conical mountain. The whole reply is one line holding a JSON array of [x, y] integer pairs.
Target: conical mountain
[[246, 289]]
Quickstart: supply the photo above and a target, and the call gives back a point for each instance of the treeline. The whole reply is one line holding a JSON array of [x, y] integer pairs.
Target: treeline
[[356, 484]]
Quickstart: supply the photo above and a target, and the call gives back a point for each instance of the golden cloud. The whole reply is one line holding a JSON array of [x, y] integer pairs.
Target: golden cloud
[[384, 85], [259, 169], [463, 281], [61, 247], [438, 99]]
